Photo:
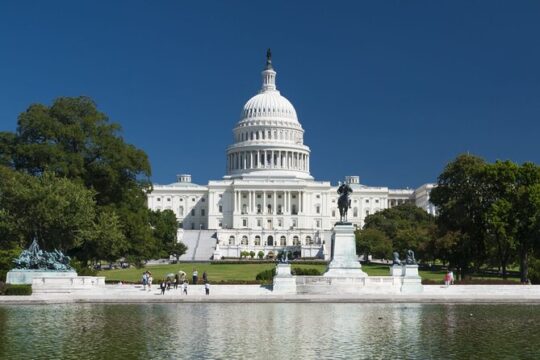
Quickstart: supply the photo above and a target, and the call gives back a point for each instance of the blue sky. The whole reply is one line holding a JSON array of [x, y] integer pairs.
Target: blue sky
[[394, 89]]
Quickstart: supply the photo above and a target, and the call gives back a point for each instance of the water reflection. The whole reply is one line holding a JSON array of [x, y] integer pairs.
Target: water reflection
[[262, 331]]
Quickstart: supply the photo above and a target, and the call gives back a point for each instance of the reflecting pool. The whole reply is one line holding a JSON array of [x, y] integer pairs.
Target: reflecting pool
[[263, 331]]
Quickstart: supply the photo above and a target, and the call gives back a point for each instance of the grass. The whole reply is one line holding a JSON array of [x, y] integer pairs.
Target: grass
[[245, 272]]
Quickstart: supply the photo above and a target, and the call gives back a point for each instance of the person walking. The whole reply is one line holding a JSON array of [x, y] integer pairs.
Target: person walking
[[176, 281], [184, 287], [163, 286], [447, 279], [451, 277], [207, 288], [205, 277], [150, 280], [144, 280], [195, 276]]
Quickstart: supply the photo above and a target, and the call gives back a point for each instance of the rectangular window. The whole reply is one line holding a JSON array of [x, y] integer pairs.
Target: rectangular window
[[220, 208], [192, 212], [244, 222], [259, 222], [318, 224], [202, 212]]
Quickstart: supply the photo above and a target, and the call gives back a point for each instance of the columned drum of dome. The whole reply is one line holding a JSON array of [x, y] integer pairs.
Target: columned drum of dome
[[268, 141]]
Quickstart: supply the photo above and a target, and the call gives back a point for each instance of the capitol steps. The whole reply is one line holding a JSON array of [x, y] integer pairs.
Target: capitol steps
[[200, 243]]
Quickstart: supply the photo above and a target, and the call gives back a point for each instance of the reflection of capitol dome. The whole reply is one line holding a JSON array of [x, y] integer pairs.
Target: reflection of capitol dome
[[268, 139]]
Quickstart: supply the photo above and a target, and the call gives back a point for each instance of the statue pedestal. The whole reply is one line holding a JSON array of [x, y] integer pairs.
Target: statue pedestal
[[412, 283], [344, 260], [24, 276], [284, 282], [396, 270]]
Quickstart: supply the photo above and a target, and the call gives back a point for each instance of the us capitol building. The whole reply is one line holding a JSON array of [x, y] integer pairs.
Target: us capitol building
[[268, 200]]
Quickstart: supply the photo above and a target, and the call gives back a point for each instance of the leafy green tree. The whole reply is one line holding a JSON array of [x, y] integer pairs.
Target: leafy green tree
[[164, 230], [461, 203], [500, 215], [373, 242], [406, 226], [177, 249], [72, 139], [528, 214], [107, 237], [56, 211]]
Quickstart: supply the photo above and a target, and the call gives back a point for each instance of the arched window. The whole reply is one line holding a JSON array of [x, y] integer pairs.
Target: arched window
[[244, 240], [257, 240], [309, 241], [355, 212], [231, 240], [270, 240], [282, 241], [295, 241], [181, 211]]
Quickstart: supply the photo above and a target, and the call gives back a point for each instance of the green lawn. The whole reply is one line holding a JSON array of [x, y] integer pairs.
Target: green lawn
[[239, 272]]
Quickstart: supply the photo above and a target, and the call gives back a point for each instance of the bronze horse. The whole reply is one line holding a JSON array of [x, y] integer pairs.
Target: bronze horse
[[344, 202]]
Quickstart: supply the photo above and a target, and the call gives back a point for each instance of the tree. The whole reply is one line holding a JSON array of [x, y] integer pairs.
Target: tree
[[460, 200], [164, 230], [108, 240], [528, 215], [74, 141], [406, 226], [500, 217], [178, 249], [373, 242], [55, 211]]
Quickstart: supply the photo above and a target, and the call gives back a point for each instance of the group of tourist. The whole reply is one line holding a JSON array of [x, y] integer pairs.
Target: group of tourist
[[147, 280], [179, 279]]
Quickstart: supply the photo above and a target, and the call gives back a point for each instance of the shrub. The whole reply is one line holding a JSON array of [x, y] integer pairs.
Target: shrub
[[260, 254], [266, 275], [534, 271], [252, 254], [83, 270], [309, 272], [10, 289]]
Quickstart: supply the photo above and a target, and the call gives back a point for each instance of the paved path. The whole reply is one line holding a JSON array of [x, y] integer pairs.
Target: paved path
[[484, 294]]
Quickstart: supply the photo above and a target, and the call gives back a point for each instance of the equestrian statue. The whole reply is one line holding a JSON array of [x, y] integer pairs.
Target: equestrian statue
[[344, 201]]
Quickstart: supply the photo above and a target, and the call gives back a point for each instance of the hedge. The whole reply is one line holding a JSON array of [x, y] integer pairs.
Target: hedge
[[10, 289]]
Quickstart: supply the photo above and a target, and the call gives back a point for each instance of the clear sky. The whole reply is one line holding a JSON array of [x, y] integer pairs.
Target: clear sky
[[388, 90]]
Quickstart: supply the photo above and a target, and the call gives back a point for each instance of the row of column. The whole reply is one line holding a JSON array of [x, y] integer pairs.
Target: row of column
[[287, 135], [268, 159], [287, 206]]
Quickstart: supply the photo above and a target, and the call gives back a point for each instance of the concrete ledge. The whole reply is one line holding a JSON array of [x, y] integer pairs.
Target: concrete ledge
[[433, 294]]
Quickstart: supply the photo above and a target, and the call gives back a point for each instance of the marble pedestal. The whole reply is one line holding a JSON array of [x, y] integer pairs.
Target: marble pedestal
[[344, 260], [22, 276], [411, 281], [284, 282], [396, 270]]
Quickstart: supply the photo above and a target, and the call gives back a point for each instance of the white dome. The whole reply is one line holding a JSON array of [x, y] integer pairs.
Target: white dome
[[269, 104], [268, 139]]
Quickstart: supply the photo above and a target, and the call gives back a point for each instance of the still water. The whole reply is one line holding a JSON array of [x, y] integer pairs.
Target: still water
[[270, 331]]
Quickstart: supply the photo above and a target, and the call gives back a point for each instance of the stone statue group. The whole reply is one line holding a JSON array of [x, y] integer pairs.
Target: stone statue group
[[409, 260], [36, 259]]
